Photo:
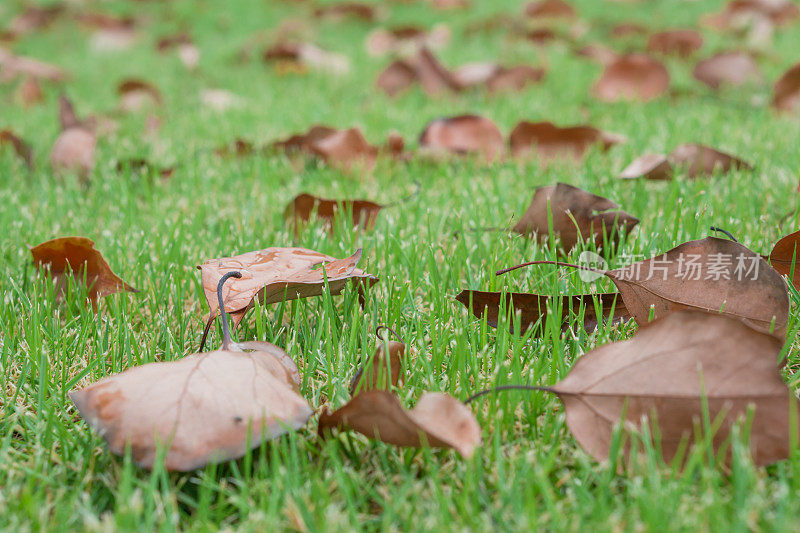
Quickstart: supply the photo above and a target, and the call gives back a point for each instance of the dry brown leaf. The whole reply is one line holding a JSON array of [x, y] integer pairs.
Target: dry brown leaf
[[784, 254], [599, 53], [547, 141], [206, 407], [308, 55], [533, 308], [275, 275], [668, 373], [438, 420], [35, 18], [711, 275], [14, 66], [739, 14], [727, 68], [696, 159], [304, 206], [463, 135], [682, 43], [402, 39], [135, 95], [110, 33], [576, 215], [632, 77], [628, 29], [545, 9], [29, 92], [22, 149], [74, 149], [423, 68], [345, 149], [382, 373], [786, 93], [357, 10], [59, 257], [496, 77]]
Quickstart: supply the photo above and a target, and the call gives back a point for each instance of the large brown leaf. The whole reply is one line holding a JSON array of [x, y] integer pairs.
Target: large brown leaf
[[275, 275], [576, 215], [78, 255], [383, 372], [206, 407], [464, 135], [548, 141], [438, 420], [697, 161], [727, 68], [786, 93], [632, 77], [785, 253], [666, 373], [341, 148], [712, 275], [533, 308], [682, 42]]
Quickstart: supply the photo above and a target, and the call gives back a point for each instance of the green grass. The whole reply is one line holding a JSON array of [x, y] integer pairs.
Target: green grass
[[530, 473]]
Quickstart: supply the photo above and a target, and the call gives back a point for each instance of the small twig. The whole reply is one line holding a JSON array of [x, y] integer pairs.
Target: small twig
[[507, 388], [226, 333], [731, 237], [556, 263]]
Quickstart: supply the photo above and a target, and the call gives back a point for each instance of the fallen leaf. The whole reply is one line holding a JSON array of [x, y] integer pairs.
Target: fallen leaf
[[135, 95], [309, 55], [275, 275], [14, 66], [404, 39], [741, 13], [549, 9], [682, 43], [78, 256], [204, 408], [712, 275], [599, 53], [345, 149], [219, 99], [301, 209], [548, 141], [784, 254], [423, 68], [727, 68], [438, 420], [628, 29], [182, 43], [22, 149], [669, 373], [576, 214], [357, 10], [35, 18], [382, 372], [697, 161], [74, 149], [786, 93], [496, 77], [110, 33], [632, 77], [533, 308], [29, 92], [464, 135]]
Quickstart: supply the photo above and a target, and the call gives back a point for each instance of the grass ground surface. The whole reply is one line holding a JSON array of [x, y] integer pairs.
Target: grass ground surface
[[55, 473]]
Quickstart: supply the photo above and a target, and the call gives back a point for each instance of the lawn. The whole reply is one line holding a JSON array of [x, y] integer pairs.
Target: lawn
[[57, 474]]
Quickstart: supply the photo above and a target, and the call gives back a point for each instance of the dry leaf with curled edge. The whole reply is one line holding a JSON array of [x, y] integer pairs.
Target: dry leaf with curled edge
[[667, 373], [786, 253], [497, 78], [308, 55], [576, 215], [712, 275], [74, 149], [59, 257], [344, 149], [401, 38], [549, 9], [548, 141], [727, 68], [204, 408], [696, 160], [383, 372], [301, 209], [13, 66], [786, 93], [275, 275], [681, 42], [358, 10], [422, 68], [463, 135], [438, 420], [533, 308], [21, 148], [632, 77], [135, 95], [740, 14]]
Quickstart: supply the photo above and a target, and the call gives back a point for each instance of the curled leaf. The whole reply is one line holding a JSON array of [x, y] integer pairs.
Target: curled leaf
[[576, 215], [22, 149], [422, 68], [383, 372], [544, 9], [682, 43], [533, 308], [786, 93], [697, 161], [78, 256], [548, 141], [309, 55], [74, 149], [464, 135], [135, 94], [438, 420], [401, 38], [728, 68], [204, 408], [632, 77], [301, 209], [785, 257]]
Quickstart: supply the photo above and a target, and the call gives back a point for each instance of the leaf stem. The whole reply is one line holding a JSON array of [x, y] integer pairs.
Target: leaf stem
[[731, 237], [556, 263], [226, 333], [387, 328]]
